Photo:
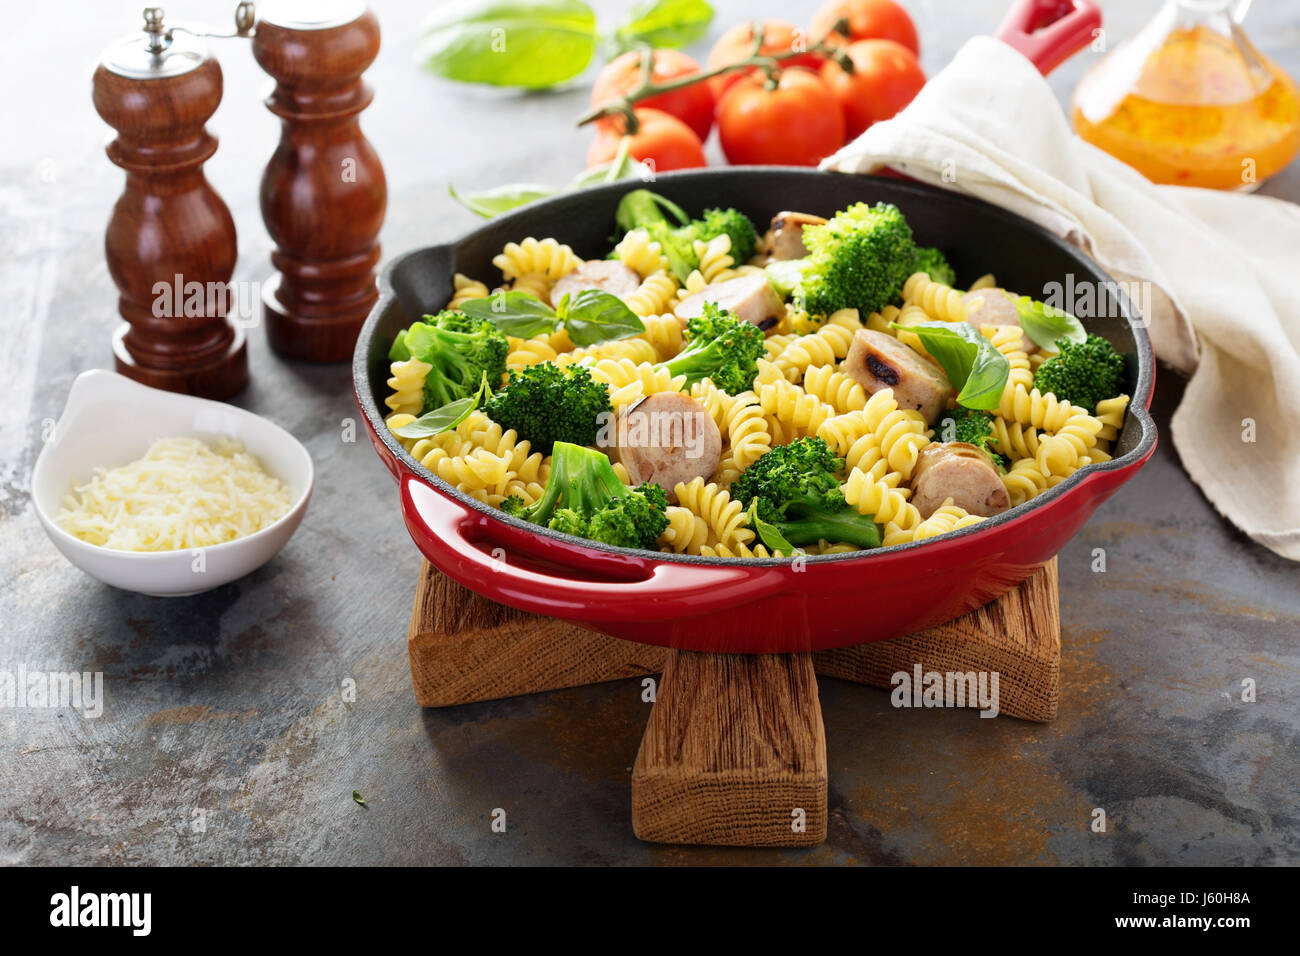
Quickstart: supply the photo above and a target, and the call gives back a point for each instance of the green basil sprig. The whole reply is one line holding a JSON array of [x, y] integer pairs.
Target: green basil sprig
[[1045, 324], [447, 417], [534, 44], [663, 23], [591, 316], [501, 199], [525, 43], [969, 360], [768, 533]]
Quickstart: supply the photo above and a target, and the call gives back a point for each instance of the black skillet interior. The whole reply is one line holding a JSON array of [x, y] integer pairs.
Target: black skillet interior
[[977, 237]]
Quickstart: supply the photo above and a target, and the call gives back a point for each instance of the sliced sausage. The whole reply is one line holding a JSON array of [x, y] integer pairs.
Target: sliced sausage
[[961, 472], [749, 298], [877, 360], [992, 307], [784, 240], [668, 438], [607, 275]]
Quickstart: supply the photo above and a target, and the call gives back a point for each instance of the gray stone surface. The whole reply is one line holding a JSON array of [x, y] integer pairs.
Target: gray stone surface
[[226, 708]]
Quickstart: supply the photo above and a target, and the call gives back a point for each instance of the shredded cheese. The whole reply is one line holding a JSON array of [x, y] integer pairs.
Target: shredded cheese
[[182, 494]]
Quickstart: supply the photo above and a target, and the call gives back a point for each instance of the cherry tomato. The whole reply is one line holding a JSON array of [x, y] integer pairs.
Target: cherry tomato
[[795, 124], [868, 20], [885, 77], [693, 104], [738, 43], [663, 141]]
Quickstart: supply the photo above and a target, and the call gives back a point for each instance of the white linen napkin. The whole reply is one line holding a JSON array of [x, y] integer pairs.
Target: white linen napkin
[[1224, 287]]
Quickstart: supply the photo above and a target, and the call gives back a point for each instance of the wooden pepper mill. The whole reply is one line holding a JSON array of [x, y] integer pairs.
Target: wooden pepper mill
[[323, 192], [171, 239]]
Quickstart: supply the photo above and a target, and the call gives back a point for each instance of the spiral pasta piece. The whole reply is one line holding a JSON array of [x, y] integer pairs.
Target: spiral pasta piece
[[826, 346], [1032, 407], [885, 502], [526, 352], [547, 257], [536, 283], [986, 281], [881, 321], [1013, 439], [941, 301], [738, 551], [715, 401], [653, 296], [634, 350], [687, 532], [407, 383], [791, 412], [1111, 412], [641, 254], [834, 388], [899, 433], [947, 518], [464, 289], [725, 518], [747, 431], [1024, 480], [664, 333], [715, 259], [629, 381]]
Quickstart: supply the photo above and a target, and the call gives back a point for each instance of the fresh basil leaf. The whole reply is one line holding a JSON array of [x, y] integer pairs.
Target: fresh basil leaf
[[501, 199], [1045, 324], [664, 23], [447, 417], [768, 533], [358, 799], [526, 43], [625, 167], [516, 313], [593, 316], [972, 364]]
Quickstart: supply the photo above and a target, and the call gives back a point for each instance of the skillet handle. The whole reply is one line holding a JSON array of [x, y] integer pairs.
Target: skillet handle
[[1049, 32], [663, 591]]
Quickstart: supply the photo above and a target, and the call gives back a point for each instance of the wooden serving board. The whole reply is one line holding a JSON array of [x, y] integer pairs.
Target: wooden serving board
[[734, 752]]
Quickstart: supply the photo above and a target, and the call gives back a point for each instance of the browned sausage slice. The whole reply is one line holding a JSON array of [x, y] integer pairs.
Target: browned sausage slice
[[668, 438], [961, 472], [749, 298], [784, 240], [877, 360], [992, 307], [607, 275]]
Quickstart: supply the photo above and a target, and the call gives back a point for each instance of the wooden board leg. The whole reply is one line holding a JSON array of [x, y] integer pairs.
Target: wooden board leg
[[1017, 636], [464, 648], [734, 753]]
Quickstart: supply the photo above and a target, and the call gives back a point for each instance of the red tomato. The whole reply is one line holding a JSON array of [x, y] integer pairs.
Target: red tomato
[[795, 124], [885, 77], [738, 42], [663, 141], [868, 20], [693, 104]]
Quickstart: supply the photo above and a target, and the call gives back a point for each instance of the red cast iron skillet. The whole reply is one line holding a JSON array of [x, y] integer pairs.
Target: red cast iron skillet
[[776, 605]]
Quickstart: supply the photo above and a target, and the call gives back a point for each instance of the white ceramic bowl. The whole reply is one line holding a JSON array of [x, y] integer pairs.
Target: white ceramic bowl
[[110, 420]]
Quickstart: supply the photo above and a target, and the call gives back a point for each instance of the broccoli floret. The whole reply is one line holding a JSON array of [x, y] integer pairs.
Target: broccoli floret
[[667, 224], [1083, 374], [732, 222], [720, 347], [857, 260], [546, 404], [930, 260], [797, 490], [584, 497], [972, 426], [460, 349]]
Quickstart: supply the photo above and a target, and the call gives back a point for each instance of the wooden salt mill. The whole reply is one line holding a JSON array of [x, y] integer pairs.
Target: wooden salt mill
[[323, 192], [171, 239]]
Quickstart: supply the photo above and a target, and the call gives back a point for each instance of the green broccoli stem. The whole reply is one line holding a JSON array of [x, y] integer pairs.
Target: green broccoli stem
[[581, 479], [695, 363], [845, 525]]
